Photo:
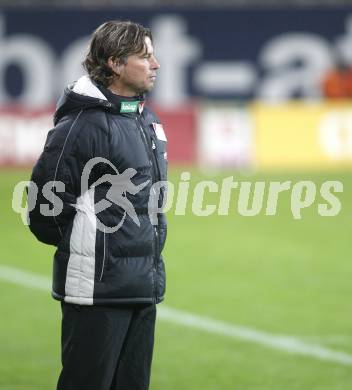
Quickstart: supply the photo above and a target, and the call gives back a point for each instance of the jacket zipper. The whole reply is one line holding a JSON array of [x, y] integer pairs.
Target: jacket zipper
[[152, 160], [156, 159], [103, 266]]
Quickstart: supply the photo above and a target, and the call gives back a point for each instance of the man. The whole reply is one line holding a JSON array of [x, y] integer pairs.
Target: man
[[108, 269]]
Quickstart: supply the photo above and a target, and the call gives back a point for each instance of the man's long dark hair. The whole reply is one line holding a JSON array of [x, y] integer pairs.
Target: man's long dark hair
[[117, 39]]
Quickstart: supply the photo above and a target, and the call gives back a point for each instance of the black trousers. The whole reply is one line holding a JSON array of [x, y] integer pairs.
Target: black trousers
[[106, 347]]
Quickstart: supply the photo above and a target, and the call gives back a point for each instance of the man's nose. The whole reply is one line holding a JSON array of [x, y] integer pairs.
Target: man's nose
[[155, 64]]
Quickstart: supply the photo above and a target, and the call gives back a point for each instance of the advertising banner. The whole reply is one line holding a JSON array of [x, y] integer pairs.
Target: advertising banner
[[303, 136], [23, 134], [282, 136], [226, 136], [271, 53]]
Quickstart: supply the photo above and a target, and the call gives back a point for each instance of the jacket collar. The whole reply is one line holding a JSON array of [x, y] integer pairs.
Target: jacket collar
[[124, 104]]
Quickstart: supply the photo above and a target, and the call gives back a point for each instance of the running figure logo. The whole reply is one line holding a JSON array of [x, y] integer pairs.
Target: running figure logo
[[117, 193]]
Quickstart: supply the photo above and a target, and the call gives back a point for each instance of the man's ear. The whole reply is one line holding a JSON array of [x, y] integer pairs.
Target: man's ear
[[115, 65]]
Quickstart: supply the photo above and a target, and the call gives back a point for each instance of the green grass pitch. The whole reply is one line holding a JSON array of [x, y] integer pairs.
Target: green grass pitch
[[271, 273]]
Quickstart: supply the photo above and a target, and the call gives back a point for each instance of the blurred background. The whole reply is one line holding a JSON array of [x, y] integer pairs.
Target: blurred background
[[258, 90], [260, 75]]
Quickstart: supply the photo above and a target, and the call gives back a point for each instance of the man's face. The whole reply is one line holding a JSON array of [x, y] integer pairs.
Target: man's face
[[139, 73]]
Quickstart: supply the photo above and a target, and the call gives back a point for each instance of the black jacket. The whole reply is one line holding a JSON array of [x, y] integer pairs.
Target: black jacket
[[108, 249]]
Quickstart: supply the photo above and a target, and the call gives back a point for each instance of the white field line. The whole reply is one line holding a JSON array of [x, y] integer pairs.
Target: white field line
[[284, 343], [327, 339], [24, 278]]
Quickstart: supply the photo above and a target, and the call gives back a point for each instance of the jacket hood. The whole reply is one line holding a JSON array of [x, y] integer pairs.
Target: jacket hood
[[80, 95], [84, 94]]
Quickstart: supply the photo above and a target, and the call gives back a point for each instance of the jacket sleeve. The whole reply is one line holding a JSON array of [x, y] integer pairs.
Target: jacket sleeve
[[56, 177]]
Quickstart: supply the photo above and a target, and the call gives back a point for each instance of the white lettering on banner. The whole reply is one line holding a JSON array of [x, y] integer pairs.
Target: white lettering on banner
[[174, 58], [225, 137], [335, 134], [274, 76], [230, 77], [283, 79], [22, 138], [38, 64], [36, 60], [344, 43], [71, 63]]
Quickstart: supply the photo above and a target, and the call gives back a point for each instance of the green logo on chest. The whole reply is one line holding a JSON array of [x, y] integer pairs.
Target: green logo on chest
[[129, 106]]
